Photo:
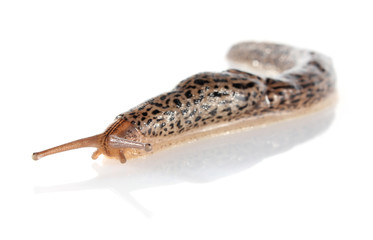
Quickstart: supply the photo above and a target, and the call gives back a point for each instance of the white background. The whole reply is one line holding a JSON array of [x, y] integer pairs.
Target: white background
[[67, 68]]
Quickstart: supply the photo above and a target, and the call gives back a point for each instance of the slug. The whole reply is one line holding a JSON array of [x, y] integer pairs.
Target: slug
[[275, 81]]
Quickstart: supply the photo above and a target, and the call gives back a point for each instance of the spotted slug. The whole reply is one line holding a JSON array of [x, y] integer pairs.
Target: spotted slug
[[268, 81]]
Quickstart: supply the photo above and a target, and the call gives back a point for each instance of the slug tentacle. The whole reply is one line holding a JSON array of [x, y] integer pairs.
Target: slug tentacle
[[120, 143], [266, 81]]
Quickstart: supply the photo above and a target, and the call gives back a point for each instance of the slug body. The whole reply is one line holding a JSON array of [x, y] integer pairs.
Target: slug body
[[278, 81]]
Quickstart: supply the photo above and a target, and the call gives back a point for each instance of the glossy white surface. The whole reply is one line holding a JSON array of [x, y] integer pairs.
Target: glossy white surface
[[67, 69]]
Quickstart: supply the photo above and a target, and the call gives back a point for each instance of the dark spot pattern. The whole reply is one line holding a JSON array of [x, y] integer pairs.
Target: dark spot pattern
[[188, 94], [155, 112], [177, 102], [200, 82], [243, 86]]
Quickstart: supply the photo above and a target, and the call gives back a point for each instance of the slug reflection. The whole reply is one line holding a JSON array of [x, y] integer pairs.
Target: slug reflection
[[204, 160]]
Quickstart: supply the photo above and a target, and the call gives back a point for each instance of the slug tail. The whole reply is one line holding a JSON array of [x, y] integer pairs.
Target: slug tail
[[81, 143]]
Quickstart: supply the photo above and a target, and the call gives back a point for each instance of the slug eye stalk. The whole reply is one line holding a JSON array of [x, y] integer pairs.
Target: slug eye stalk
[[81, 143]]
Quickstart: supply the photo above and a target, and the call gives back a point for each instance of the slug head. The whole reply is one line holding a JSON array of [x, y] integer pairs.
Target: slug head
[[119, 140]]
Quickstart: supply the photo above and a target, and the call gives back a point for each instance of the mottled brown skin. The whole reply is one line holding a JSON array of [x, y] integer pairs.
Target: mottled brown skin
[[211, 98], [205, 98], [285, 79]]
